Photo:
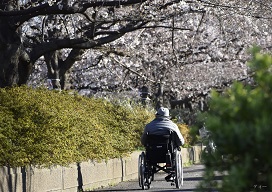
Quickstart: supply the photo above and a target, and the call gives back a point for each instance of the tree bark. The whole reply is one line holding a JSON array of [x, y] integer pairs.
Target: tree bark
[[15, 65]]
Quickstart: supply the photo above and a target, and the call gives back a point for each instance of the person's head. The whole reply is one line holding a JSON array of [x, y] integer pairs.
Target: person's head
[[163, 112]]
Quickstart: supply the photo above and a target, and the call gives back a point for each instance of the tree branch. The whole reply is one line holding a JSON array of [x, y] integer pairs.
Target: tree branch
[[81, 43], [131, 70]]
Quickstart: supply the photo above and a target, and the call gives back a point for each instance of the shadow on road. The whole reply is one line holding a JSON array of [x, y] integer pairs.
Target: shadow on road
[[192, 177]]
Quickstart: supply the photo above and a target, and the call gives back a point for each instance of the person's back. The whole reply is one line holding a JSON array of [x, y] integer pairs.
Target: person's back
[[161, 126]]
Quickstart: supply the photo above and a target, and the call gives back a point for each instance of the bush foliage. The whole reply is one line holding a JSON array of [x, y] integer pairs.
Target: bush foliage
[[240, 121], [42, 127], [45, 128]]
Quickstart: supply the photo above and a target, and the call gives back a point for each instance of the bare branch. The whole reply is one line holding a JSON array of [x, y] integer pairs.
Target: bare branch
[[131, 70]]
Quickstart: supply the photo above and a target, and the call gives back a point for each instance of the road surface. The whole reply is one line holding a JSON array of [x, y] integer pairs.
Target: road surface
[[192, 176]]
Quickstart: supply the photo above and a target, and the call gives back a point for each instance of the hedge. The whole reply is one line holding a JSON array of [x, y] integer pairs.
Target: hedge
[[45, 128]]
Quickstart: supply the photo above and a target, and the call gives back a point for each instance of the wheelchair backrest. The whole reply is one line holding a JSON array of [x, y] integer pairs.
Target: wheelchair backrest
[[158, 146]]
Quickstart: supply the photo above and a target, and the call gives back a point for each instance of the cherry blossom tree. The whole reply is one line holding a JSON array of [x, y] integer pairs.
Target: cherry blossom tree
[[32, 29], [178, 49], [198, 45]]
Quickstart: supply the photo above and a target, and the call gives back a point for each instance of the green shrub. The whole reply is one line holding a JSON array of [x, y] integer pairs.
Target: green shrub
[[185, 131], [45, 128], [240, 121]]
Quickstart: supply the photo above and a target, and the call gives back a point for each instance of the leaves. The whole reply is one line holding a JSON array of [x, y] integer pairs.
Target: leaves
[[240, 121], [45, 128]]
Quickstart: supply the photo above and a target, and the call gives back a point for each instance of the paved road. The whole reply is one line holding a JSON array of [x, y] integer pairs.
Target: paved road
[[192, 176]]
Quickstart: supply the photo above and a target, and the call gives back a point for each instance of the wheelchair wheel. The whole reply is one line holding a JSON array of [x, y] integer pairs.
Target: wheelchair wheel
[[178, 170], [141, 169], [142, 172]]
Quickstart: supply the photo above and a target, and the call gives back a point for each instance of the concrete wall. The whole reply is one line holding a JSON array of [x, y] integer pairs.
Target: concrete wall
[[86, 175]]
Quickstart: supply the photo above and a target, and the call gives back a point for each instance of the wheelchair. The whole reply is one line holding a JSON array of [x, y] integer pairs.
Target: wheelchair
[[161, 154]]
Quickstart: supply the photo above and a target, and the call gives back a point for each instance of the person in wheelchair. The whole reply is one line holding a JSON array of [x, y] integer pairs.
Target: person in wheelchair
[[162, 125]]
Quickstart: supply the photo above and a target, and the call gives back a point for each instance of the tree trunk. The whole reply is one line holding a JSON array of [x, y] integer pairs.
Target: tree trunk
[[57, 68], [159, 96], [14, 63], [15, 66], [52, 63]]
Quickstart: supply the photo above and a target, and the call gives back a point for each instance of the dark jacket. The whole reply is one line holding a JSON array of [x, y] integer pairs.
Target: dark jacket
[[161, 126]]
